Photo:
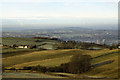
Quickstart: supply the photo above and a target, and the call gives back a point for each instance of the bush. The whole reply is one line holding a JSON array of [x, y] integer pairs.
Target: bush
[[33, 46], [38, 41]]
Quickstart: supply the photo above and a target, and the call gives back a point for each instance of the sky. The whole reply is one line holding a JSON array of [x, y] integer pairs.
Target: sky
[[45, 13]]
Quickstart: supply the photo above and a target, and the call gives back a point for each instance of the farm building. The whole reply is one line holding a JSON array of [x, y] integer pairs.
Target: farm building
[[118, 47], [23, 46]]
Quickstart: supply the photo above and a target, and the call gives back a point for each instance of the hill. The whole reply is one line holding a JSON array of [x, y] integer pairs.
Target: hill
[[52, 58], [105, 61], [26, 41]]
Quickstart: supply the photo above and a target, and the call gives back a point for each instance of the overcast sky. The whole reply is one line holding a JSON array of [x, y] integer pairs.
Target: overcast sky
[[59, 12]]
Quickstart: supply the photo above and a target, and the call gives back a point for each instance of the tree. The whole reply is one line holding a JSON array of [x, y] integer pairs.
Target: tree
[[33, 46], [79, 63], [14, 45]]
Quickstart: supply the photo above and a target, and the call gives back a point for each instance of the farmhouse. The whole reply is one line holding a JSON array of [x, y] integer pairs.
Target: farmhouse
[[118, 47], [23, 46]]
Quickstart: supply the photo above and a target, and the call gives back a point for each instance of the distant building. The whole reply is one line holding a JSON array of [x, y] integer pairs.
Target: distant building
[[98, 42], [103, 41]]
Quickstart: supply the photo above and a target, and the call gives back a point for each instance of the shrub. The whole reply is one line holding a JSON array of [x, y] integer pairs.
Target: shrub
[[33, 46]]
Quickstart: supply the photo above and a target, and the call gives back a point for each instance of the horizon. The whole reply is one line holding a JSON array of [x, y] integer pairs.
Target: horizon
[[4, 29]]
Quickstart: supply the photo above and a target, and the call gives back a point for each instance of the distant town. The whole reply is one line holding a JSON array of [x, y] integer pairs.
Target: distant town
[[108, 37]]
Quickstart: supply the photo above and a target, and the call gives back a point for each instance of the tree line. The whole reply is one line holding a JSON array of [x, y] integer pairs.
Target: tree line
[[79, 45]]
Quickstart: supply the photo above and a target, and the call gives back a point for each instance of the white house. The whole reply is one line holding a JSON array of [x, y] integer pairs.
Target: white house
[[118, 47], [23, 46], [20, 46]]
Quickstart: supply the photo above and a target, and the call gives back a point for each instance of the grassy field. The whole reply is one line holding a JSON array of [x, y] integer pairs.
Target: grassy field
[[50, 54], [6, 52], [38, 56], [12, 52], [51, 58], [18, 58], [47, 62], [23, 41], [29, 41], [108, 70]]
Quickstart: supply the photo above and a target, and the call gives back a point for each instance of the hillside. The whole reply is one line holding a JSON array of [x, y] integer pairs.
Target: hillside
[[38, 56], [51, 58], [104, 62], [108, 70], [44, 43]]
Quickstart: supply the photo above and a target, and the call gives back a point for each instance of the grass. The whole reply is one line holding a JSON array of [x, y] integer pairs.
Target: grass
[[108, 70], [53, 55], [38, 56], [48, 62], [105, 57], [28, 41], [13, 52], [19, 41], [51, 58], [7, 52], [95, 53]]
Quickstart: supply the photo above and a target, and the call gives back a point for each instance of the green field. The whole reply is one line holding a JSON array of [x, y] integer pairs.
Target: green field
[[12, 52], [44, 43], [24, 41]]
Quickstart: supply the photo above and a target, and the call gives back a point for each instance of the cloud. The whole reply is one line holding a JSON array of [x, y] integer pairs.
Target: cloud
[[33, 1], [36, 18], [41, 1], [26, 18]]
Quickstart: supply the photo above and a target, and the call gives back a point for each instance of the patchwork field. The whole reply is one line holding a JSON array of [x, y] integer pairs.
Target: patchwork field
[[20, 58], [44, 43], [24, 41]]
